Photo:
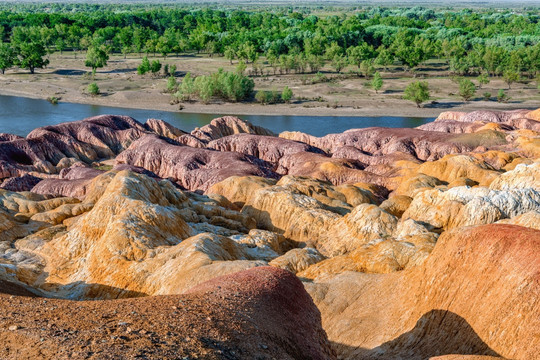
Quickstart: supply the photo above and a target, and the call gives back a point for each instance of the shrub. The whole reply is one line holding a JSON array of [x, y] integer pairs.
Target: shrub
[[187, 88], [417, 92], [483, 79], [268, 97], [93, 89], [377, 82], [286, 94], [501, 96], [53, 100], [487, 96], [510, 77], [172, 85], [229, 86], [155, 66], [260, 96], [144, 67], [466, 89]]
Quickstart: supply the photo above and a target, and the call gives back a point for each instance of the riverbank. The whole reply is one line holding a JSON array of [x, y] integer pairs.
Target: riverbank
[[159, 101], [122, 87]]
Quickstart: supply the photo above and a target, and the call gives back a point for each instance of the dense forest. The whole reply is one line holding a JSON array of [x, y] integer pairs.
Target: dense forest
[[491, 42]]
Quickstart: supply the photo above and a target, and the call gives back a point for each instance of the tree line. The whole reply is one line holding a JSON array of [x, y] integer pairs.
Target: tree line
[[472, 43]]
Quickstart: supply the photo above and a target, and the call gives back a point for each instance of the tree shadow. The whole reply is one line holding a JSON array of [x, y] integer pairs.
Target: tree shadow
[[69, 72], [443, 105], [119, 71], [436, 333]]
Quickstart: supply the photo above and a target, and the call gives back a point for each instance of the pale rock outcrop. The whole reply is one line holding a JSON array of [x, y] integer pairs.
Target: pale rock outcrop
[[450, 115], [529, 219], [452, 167], [521, 177], [462, 206], [464, 299], [294, 215], [380, 256], [134, 235], [239, 189], [365, 223], [396, 205], [297, 260], [534, 115], [415, 184], [260, 244]]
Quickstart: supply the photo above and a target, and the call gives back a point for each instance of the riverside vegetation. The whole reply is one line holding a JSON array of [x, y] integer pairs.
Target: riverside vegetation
[[484, 45]]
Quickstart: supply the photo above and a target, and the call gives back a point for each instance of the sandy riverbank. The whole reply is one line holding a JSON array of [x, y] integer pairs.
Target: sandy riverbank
[[158, 101], [121, 87]]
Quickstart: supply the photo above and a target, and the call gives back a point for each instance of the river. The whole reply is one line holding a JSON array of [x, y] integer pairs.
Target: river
[[20, 115]]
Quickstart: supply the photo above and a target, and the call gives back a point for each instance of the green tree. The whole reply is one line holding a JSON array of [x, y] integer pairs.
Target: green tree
[[501, 96], [230, 54], [96, 57], [357, 54], [155, 66], [367, 68], [172, 85], [93, 89], [333, 50], [417, 91], [187, 88], [510, 77], [377, 82], [260, 96], [466, 89], [205, 87], [241, 67], [385, 58], [31, 56], [144, 67], [483, 79], [339, 62], [8, 57], [286, 94], [315, 62]]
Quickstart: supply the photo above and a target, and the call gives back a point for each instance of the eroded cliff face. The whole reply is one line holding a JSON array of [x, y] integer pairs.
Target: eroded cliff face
[[413, 243]]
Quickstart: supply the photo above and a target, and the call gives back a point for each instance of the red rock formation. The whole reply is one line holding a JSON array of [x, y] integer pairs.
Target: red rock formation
[[22, 183], [424, 145], [163, 128], [225, 126], [72, 182], [192, 168], [86, 140], [9, 137], [257, 314], [267, 148]]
